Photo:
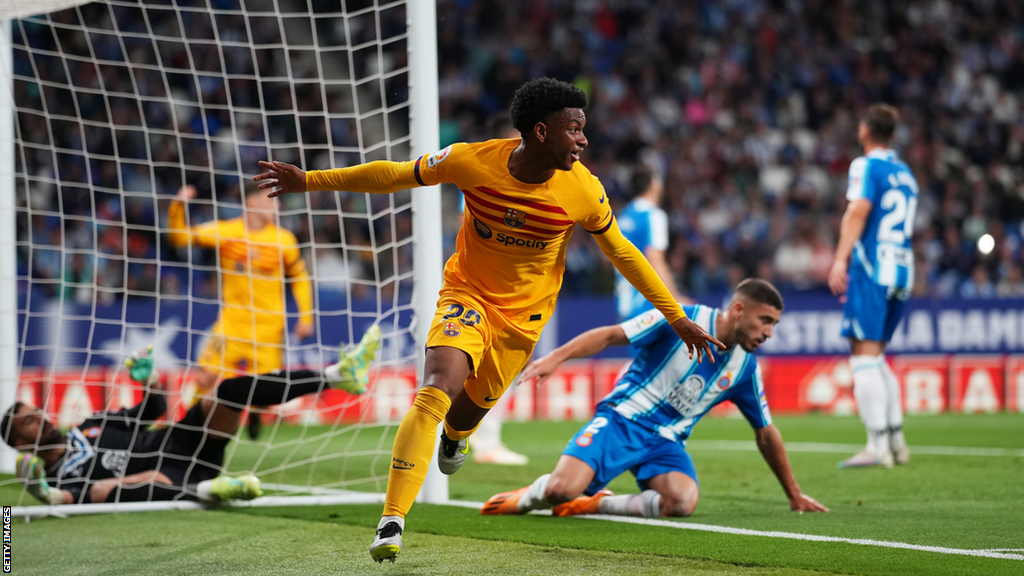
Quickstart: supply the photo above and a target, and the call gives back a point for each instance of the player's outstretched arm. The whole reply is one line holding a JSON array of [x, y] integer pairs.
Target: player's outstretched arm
[[583, 346], [153, 406], [33, 477], [281, 178], [632, 264], [178, 231], [769, 442], [380, 177]]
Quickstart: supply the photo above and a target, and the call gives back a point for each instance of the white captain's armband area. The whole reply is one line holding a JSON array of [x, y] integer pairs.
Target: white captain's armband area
[[858, 179]]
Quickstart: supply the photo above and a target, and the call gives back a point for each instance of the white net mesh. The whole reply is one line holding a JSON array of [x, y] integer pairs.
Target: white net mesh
[[120, 104]]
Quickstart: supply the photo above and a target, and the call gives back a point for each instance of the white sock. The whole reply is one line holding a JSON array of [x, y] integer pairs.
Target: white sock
[[385, 519], [534, 498], [333, 374], [646, 504], [870, 390], [204, 490], [894, 408]]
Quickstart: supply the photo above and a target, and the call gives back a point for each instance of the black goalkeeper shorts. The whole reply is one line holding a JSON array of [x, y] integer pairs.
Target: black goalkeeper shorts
[[191, 453]]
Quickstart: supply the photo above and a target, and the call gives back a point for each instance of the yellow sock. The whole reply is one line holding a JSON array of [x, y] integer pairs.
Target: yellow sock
[[413, 449], [456, 435]]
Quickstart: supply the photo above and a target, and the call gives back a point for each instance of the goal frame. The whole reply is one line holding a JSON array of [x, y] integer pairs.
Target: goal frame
[[426, 214]]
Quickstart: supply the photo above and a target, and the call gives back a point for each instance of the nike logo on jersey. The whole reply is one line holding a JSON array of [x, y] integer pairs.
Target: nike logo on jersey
[[489, 399], [602, 195]]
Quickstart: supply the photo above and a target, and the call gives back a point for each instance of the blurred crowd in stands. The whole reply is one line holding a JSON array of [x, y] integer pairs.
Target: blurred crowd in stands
[[748, 108]]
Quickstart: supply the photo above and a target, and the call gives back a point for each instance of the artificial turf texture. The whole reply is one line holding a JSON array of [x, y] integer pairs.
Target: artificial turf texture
[[967, 502]]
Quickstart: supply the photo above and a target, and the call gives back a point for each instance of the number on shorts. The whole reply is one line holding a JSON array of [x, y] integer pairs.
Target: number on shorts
[[471, 318]]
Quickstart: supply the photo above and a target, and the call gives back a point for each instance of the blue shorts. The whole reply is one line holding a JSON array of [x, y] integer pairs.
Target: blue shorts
[[872, 311], [611, 444]]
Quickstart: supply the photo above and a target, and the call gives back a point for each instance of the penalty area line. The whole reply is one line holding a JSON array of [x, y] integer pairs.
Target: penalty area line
[[1001, 554]]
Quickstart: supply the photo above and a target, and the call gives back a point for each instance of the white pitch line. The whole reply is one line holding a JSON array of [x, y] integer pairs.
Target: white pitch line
[[829, 448], [1002, 554]]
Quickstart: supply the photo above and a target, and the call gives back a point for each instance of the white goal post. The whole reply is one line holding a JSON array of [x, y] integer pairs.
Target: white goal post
[[364, 124]]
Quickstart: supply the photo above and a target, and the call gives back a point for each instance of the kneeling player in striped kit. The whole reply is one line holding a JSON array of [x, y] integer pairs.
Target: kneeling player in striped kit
[[642, 426]]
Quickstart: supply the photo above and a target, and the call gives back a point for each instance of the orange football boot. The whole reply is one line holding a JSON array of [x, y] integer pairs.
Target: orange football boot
[[581, 505], [504, 503]]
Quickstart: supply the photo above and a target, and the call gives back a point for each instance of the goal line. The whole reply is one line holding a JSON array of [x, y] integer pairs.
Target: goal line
[[345, 497]]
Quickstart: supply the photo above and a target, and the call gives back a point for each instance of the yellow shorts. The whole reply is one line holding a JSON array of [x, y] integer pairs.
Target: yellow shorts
[[227, 355], [498, 348]]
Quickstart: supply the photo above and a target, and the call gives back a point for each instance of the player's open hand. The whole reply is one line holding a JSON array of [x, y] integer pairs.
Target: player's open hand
[[540, 369], [142, 369], [303, 330], [696, 338], [804, 503], [281, 178], [186, 192], [838, 277]]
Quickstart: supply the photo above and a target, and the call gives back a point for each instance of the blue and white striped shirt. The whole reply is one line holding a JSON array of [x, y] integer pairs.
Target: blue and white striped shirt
[[883, 252], [645, 225], [668, 393]]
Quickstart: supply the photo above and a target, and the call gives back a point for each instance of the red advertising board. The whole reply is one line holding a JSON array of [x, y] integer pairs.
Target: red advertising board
[[925, 382], [930, 384], [1015, 384], [976, 384], [568, 394], [808, 384]]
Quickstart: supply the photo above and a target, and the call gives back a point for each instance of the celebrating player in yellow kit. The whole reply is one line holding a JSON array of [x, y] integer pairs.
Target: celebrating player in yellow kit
[[254, 256], [523, 198]]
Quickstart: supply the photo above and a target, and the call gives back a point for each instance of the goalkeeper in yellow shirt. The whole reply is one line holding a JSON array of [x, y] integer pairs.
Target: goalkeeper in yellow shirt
[[524, 197], [254, 257]]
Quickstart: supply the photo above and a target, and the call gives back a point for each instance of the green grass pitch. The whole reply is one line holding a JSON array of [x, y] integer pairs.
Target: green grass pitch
[[952, 501]]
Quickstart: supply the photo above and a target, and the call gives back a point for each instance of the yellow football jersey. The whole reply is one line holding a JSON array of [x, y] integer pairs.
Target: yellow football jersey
[[511, 248], [252, 265]]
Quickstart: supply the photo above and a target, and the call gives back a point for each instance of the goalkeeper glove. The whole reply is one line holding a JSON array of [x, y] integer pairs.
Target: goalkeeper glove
[[141, 368], [32, 475]]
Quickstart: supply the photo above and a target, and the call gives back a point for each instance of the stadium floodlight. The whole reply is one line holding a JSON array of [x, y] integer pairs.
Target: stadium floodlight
[[112, 106]]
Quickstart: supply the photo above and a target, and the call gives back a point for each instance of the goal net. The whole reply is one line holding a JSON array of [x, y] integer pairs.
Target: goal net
[[118, 106]]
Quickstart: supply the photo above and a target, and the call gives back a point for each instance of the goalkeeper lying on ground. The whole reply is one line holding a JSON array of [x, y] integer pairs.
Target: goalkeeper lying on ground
[[115, 456]]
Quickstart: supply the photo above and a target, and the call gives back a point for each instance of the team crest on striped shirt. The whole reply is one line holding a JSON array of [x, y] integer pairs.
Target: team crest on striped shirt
[[514, 218]]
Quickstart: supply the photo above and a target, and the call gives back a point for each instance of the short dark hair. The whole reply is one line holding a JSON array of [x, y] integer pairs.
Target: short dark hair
[[538, 99], [498, 126], [7, 422], [881, 122], [760, 291], [641, 180]]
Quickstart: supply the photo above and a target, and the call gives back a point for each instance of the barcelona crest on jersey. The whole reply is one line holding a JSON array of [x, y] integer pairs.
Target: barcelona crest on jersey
[[514, 218], [451, 329]]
